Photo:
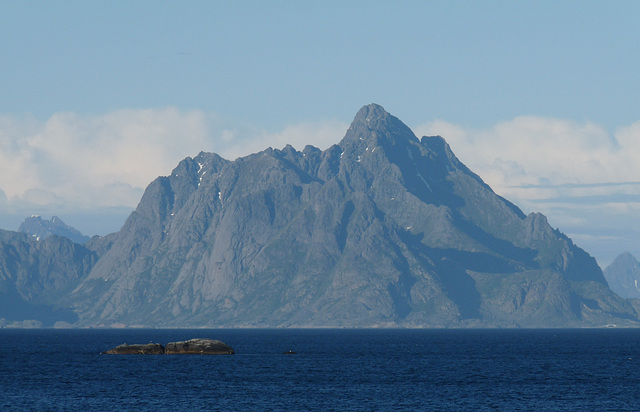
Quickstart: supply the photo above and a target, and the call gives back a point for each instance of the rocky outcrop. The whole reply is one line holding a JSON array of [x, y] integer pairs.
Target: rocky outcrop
[[198, 347], [137, 349], [189, 347]]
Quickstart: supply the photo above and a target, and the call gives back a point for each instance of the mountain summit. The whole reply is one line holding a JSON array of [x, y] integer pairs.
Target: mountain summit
[[380, 230], [41, 228], [373, 125]]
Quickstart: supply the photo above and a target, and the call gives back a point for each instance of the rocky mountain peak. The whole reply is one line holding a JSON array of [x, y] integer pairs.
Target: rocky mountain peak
[[626, 258], [623, 276], [40, 228], [373, 126], [371, 112]]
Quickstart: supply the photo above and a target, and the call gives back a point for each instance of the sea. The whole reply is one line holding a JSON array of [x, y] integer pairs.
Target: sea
[[331, 370]]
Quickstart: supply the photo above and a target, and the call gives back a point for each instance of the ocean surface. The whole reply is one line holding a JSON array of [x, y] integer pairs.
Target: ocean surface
[[343, 370]]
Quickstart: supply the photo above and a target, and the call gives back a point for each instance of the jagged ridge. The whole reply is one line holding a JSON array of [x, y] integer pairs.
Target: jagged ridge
[[382, 229]]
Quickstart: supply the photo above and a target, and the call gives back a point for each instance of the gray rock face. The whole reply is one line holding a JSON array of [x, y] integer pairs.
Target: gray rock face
[[41, 229], [623, 276], [382, 229], [189, 347], [198, 347], [137, 349]]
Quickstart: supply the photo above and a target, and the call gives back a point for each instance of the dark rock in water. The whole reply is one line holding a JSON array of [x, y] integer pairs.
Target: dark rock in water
[[198, 347], [189, 347], [144, 349]]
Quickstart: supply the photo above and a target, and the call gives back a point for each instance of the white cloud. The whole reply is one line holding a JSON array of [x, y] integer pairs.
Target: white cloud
[[80, 160], [321, 135], [535, 151], [86, 162], [579, 175]]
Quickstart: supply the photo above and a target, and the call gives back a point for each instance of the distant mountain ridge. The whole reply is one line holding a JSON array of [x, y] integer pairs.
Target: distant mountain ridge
[[36, 277], [41, 228], [623, 276]]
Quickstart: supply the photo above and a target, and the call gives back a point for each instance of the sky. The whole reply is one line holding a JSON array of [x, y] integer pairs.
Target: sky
[[539, 98]]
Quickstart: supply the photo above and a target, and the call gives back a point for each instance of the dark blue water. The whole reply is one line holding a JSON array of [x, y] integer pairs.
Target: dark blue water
[[334, 370]]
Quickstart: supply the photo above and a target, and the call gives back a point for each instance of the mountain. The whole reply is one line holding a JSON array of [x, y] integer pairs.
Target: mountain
[[623, 276], [37, 275], [380, 230], [40, 228]]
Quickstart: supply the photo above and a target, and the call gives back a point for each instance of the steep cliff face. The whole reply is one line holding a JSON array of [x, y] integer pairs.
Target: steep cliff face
[[382, 229]]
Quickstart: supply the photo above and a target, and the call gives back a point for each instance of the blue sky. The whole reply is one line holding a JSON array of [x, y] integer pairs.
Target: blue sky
[[540, 98]]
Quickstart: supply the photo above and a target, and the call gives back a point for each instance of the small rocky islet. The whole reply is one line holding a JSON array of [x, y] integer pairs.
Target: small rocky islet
[[189, 347]]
